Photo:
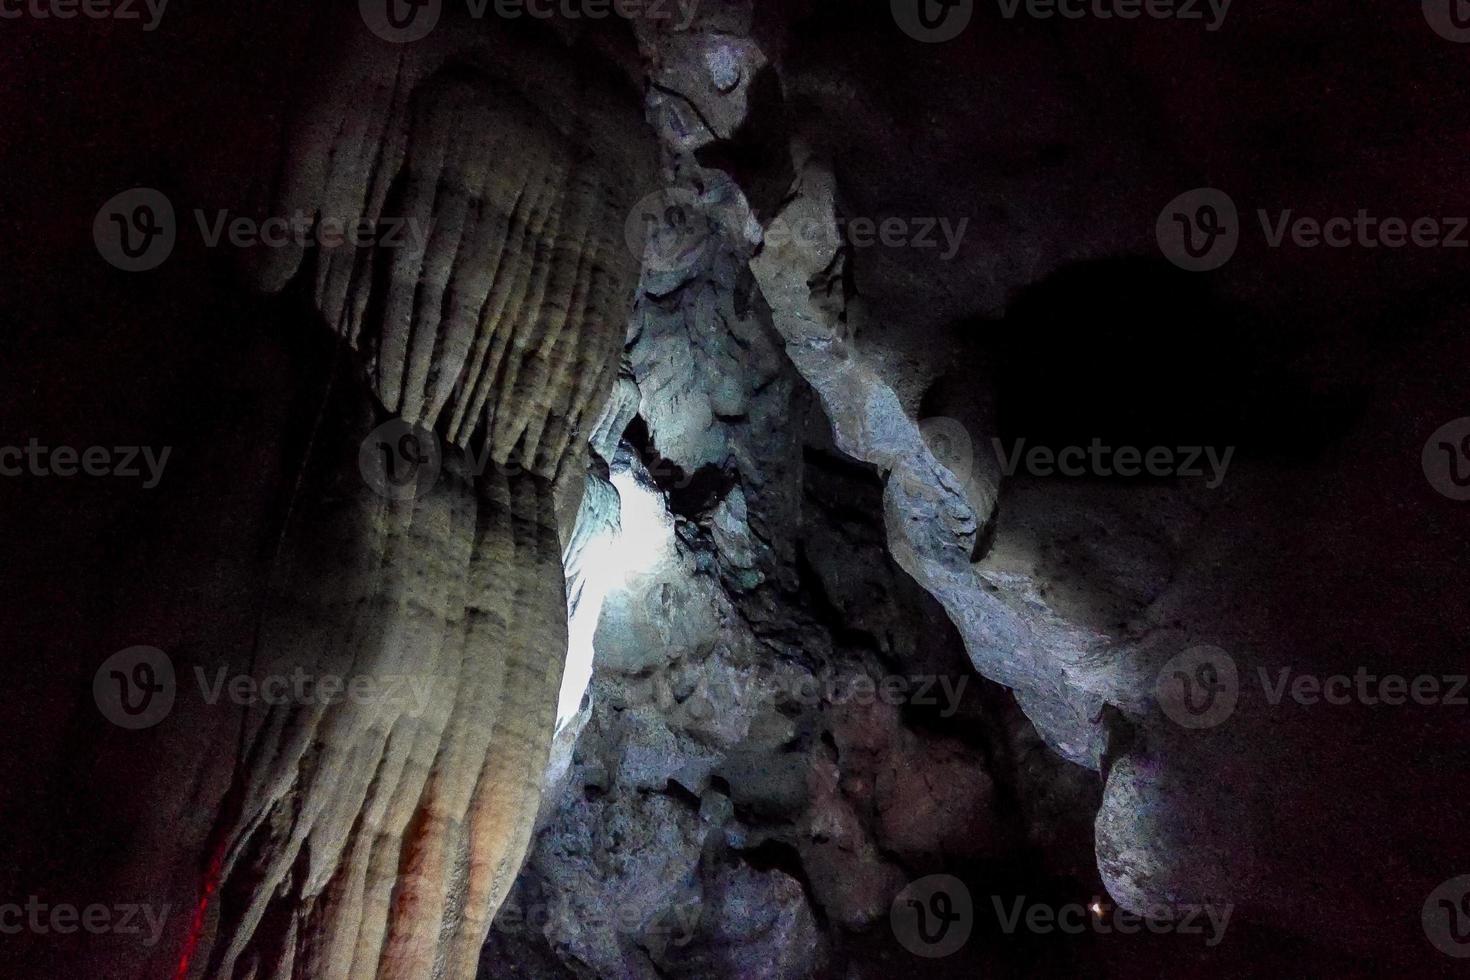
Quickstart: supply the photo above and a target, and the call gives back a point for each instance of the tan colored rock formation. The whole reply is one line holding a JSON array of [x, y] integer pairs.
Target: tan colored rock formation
[[376, 835]]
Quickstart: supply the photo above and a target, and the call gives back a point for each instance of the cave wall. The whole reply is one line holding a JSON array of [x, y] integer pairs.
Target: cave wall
[[399, 515]]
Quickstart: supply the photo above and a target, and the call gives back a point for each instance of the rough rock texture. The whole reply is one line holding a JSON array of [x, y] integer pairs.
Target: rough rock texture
[[1075, 595], [739, 802], [366, 836], [1056, 321], [371, 841], [376, 837], [493, 316]]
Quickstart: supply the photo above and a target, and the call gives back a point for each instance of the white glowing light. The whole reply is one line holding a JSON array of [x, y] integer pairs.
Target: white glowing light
[[647, 536], [584, 606], [612, 561], [1096, 907]]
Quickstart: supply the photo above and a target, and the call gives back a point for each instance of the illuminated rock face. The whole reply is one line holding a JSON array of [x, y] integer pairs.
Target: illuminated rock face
[[496, 315], [378, 838]]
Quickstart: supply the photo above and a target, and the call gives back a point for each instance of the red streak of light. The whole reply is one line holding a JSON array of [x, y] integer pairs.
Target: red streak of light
[[196, 928]]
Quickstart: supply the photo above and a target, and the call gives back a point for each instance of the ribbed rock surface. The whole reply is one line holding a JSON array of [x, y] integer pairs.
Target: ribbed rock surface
[[376, 838], [491, 306]]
